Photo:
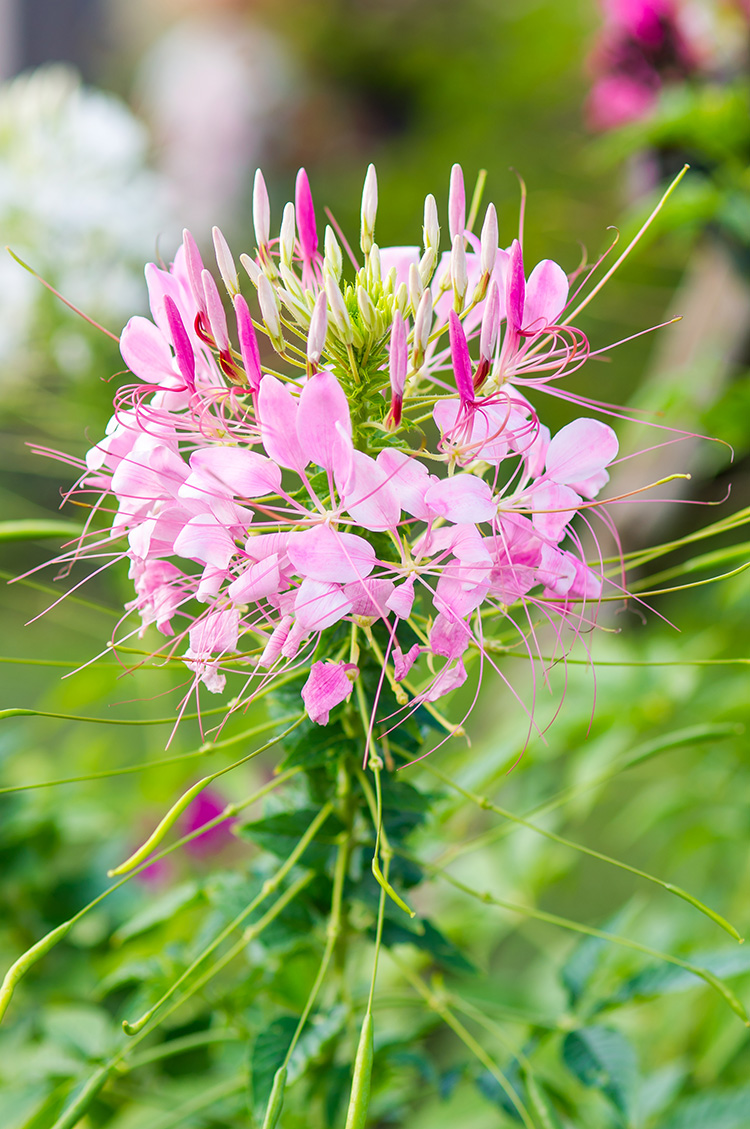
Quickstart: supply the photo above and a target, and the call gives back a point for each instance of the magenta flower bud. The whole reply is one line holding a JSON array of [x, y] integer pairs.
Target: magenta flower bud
[[461, 358], [397, 368], [286, 235], [252, 268], [306, 229], [369, 209], [316, 337], [488, 245], [182, 348], [248, 343], [194, 267], [261, 211], [457, 204], [459, 273], [225, 263], [515, 287], [269, 308], [217, 319]]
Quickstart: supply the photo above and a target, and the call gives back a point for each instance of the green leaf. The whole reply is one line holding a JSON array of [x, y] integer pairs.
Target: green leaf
[[728, 1109], [281, 833], [661, 980], [603, 1059], [429, 939], [585, 957], [490, 1088], [33, 530], [268, 1053], [161, 909]]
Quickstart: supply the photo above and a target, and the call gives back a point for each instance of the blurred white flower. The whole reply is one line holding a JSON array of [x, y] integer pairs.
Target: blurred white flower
[[80, 205]]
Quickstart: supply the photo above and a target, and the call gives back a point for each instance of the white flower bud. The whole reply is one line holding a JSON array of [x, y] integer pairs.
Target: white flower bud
[[225, 263], [402, 299], [252, 268], [261, 211], [488, 241], [416, 287], [366, 308], [339, 312], [316, 337], [431, 228], [459, 273], [457, 204], [369, 209], [374, 275], [422, 328], [332, 261], [269, 308], [287, 235], [427, 264], [490, 322]]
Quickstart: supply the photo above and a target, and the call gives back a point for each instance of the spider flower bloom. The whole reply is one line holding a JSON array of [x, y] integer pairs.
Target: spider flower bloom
[[286, 513]]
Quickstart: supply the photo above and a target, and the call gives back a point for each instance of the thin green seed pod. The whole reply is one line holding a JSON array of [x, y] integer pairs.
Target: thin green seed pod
[[73, 1114], [276, 1100], [359, 1102], [24, 963]]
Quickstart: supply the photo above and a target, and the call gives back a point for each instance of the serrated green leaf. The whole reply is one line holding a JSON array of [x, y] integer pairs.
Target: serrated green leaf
[[281, 833], [268, 1053], [430, 940], [728, 1109], [603, 1059]]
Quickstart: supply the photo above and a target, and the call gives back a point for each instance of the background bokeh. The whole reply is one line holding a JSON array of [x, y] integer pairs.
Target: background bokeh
[[177, 104]]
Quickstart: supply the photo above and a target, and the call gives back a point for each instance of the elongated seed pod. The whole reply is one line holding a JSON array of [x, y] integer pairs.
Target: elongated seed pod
[[359, 1102], [276, 1100]]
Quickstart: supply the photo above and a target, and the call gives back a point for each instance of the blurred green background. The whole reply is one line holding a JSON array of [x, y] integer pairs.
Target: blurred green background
[[659, 778]]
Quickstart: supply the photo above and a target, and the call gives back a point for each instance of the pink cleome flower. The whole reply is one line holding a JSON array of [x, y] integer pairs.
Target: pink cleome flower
[[280, 513]]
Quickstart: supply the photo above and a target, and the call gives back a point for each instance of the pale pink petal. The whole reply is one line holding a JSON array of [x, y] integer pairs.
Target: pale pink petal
[[277, 413], [256, 582], [322, 553], [462, 498], [147, 354], [369, 498], [554, 506], [515, 287], [546, 295], [231, 470], [408, 478], [205, 539], [318, 605], [322, 405], [449, 678], [400, 259], [449, 636], [580, 450], [276, 642], [369, 597], [556, 571], [401, 600], [329, 684]]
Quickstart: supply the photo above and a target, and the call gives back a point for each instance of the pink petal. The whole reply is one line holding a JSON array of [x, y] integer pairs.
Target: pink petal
[[369, 498], [182, 347], [554, 506], [323, 553], [546, 295], [580, 450], [322, 405], [409, 479], [449, 678], [402, 664], [401, 600], [147, 354], [248, 343], [277, 413], [457, 203], [216, 316], [256, 582], [318, 605], [329, 684], [399, 258], [207, 540], [369, 597], [462, 498], [231, 470], [515, 287]]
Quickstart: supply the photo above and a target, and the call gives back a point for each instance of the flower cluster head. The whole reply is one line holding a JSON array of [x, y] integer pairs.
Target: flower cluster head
[[355, 465]]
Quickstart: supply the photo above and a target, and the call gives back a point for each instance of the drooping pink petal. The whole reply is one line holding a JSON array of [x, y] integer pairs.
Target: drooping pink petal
[[515, 287], [401, 599], [461, 360], [322, 405], [248, 343], [462, 498], [369, 597], [182, 347], [580, 450], [450, 678], [277, 414], [402, 664], [323, 553], [329, 684], [307, 232], [546, 295]]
